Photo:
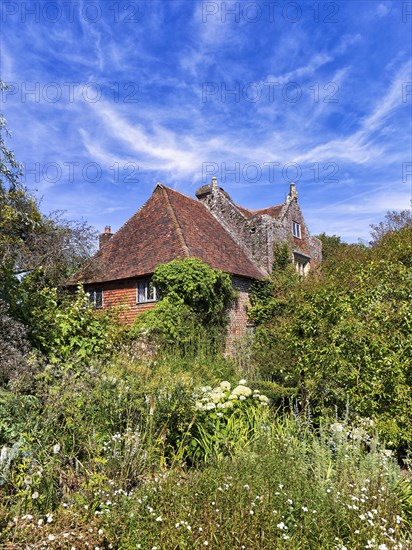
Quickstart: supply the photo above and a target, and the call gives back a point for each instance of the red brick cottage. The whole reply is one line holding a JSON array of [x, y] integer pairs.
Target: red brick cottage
[[213, 228]]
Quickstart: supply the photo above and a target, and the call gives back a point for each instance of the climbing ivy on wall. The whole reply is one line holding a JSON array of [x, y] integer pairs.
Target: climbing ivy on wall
[[193, 305]]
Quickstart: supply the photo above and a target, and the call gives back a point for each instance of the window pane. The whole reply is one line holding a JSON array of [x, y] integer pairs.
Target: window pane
[[141, 291], [98, 298], [150, 291], [296, 229]]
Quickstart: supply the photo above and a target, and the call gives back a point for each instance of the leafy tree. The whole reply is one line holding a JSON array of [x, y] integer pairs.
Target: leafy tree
[[206, 291], [394, 221], [330, 243], [43, 249], [19, 215], [273, 302]]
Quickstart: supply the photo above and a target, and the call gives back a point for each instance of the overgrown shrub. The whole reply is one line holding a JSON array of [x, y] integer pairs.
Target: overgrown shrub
[[192, 313], [67, 327], [341, 337]]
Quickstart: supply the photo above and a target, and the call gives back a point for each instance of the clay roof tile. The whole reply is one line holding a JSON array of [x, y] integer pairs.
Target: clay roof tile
[[168, 226]]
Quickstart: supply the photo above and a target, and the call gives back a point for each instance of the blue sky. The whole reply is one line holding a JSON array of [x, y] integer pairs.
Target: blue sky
[[109, 97]]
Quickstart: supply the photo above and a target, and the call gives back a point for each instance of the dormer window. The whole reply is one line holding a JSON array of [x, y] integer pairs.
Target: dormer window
[[296, 230], [146, 291]]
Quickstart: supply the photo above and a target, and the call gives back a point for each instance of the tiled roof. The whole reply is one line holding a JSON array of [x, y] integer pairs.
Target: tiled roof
[[273, 211], [168, 226]]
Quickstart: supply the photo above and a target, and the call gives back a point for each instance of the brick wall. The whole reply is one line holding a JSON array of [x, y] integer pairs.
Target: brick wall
[[122, 293], [238, 312]]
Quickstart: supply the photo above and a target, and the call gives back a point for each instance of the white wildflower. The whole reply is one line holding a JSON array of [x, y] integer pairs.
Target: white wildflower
[[49, 517]]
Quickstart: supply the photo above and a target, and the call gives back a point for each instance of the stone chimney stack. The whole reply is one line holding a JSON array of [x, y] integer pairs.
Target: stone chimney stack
[[293, 194], [106, 236]]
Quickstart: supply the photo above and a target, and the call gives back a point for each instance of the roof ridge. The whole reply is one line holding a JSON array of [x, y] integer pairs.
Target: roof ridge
[[175, 221], [267, 207], [166, 187]]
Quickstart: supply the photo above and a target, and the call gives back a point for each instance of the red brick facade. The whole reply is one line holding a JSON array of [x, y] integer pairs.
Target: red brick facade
[[122, 293]]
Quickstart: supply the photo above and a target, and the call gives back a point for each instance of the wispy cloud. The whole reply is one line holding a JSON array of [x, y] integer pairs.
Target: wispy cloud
[[168, 52]]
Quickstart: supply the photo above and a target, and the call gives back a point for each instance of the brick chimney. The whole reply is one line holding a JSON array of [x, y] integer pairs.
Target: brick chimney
[[106, 236]]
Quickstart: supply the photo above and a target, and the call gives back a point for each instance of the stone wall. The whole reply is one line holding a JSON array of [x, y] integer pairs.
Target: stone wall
[[253, 235], [307, 245], [257, 234]]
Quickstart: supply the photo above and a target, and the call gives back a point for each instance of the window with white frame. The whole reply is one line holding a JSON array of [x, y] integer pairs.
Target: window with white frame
[[96, 297], [146, 291], [296, 230]]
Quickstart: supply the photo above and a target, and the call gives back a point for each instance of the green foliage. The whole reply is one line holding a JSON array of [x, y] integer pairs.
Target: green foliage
[[192, 311], [15, 362], [68, 328], [330, 244], [227, 420], [342, 336], [393, 223], [205, 291], [168, 322], [282, 256], [271, 310]]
